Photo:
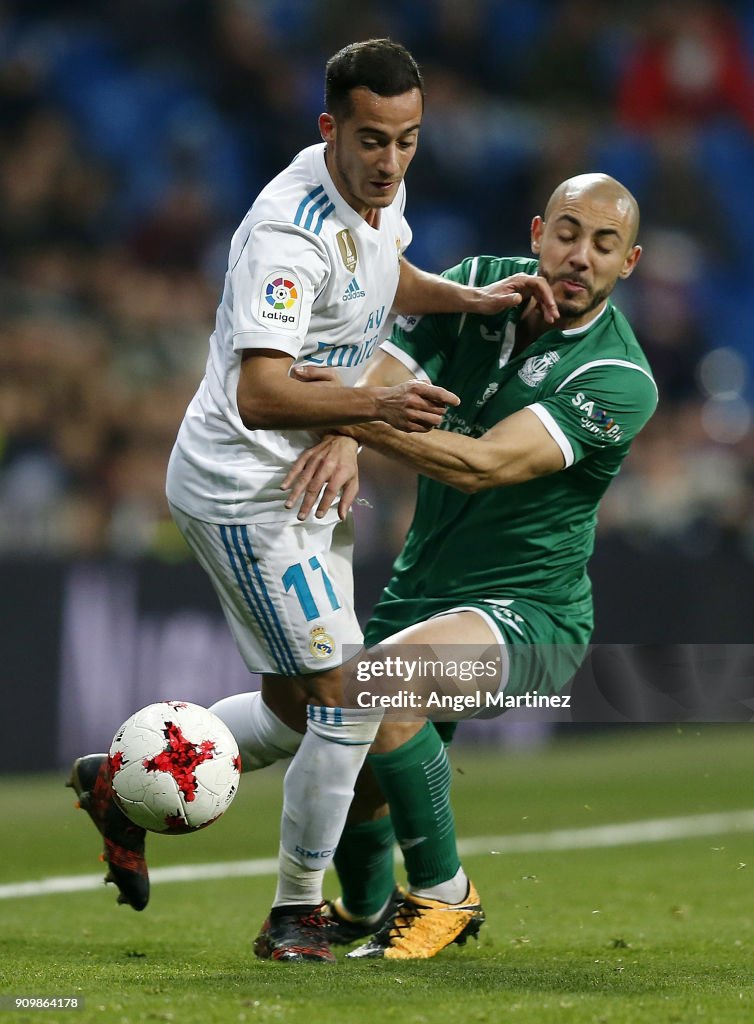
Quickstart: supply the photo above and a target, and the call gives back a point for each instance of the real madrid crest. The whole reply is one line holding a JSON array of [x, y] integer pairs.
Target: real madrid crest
[[321, 644]]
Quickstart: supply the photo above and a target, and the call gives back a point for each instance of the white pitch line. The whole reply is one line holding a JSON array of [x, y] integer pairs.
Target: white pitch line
[[654, 830]]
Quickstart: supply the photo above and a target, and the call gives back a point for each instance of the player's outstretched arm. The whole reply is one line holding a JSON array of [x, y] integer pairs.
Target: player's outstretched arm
[[269, 398], [517, 449], [421, 293]]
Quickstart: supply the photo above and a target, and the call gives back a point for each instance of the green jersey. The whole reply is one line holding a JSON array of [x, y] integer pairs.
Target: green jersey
[[593, 391]]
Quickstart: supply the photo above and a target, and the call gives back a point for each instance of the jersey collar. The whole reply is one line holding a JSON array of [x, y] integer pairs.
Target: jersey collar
[[573, 332], [547, 338]]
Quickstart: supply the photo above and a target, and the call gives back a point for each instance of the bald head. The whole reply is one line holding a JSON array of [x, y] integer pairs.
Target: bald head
[[586, 243], [599, 188]]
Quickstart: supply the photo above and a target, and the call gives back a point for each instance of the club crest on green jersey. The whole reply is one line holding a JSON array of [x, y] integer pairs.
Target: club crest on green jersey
[[536, 368]]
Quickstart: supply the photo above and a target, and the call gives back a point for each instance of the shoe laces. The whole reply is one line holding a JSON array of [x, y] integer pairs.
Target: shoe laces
[[314, 918], [401, 920]]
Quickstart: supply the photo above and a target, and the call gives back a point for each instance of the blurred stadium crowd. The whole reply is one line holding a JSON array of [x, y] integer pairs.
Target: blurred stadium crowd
[[135, 133]]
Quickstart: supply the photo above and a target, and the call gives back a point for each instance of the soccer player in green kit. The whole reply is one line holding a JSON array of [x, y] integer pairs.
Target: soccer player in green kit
[[503, 528]]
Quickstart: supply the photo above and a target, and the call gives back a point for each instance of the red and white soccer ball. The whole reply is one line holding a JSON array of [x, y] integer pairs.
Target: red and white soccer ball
[[175, 767]]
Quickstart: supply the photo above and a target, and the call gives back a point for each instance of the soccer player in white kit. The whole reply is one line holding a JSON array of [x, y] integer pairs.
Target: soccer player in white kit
[[315, 270]]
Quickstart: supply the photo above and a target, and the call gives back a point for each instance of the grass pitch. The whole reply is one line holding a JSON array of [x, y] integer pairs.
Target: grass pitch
[[659, 931]]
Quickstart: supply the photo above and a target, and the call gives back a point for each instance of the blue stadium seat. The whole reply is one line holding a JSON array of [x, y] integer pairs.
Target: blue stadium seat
[[626, 157], [144, 121], [727, 153]]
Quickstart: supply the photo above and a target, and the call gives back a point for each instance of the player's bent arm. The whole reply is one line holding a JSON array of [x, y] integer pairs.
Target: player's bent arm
[[268, 398], [420, 293], [517, 449]]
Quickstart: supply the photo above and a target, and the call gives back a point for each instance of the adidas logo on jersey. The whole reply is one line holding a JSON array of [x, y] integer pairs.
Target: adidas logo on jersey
[[353, 291]]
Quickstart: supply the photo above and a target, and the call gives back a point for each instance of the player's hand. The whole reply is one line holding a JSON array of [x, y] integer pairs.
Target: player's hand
[[515, 290], [330, 464], [414, 405]]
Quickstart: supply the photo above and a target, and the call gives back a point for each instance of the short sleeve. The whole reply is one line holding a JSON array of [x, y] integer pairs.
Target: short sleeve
[[604, 405], [275, 279]]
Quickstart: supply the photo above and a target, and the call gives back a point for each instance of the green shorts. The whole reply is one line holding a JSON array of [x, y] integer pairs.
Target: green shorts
[[545, 645], [544, 648]]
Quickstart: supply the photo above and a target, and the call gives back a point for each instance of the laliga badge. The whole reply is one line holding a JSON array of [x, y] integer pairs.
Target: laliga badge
[[321, 644], [280, 301]]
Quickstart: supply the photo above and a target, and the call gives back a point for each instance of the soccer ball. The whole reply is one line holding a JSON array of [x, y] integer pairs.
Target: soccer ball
[[174, 767]]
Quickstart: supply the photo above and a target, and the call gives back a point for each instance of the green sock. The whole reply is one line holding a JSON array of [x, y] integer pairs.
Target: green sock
[[365, 865], [415, 779], [446, 731]]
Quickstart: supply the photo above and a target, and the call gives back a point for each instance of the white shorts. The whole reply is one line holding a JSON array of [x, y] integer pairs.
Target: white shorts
[[286, 590]]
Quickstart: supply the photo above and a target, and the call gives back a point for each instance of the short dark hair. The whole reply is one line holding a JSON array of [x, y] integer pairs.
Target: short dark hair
[[385, 67]]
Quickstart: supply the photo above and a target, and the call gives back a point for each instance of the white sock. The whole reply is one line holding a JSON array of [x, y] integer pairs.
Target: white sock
[[454, 890], [317, 792], [297, 884], [261, 736]]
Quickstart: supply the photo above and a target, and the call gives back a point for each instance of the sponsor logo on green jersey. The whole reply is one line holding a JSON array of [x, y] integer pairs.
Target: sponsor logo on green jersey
[[596, 420]]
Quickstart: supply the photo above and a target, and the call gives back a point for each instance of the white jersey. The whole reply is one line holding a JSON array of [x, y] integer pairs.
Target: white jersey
[[307, 276]]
